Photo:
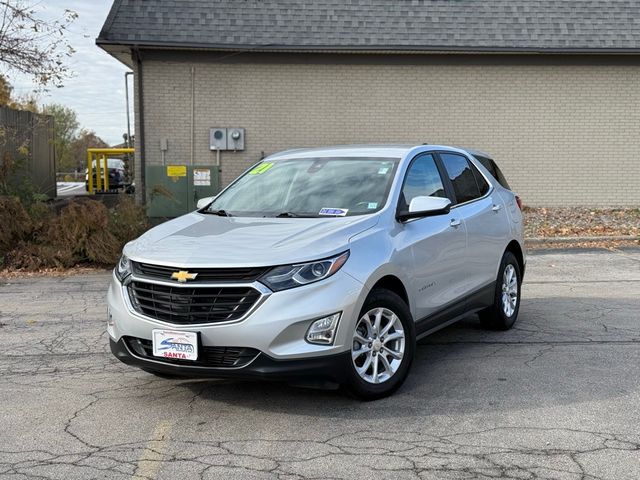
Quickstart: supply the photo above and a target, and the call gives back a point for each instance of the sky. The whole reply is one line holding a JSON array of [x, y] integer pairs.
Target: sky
[[96, 89]]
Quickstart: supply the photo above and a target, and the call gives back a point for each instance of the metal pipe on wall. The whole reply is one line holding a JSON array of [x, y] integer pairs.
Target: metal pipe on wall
[[193, 112], [140, 135], [126, 93]]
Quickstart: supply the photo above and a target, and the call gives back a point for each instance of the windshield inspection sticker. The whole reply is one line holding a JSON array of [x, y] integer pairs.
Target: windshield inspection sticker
[[335, 212], [263, 167], [383, 170], [372, 205]]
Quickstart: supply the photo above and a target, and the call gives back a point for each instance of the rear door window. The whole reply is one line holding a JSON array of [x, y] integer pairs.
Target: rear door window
[[462, 177]]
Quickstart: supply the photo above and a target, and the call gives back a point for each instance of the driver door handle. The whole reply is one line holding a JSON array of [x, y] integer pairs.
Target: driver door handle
[[455, 223], [496, 208]]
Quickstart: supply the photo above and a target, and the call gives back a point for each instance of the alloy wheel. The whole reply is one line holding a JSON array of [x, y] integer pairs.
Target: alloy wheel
[[378, 345], [509, 290]]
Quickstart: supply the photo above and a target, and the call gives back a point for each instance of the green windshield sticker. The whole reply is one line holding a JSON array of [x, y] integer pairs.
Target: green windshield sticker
[[263, 167]]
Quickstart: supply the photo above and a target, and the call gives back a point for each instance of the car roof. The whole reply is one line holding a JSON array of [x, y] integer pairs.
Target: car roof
[[354, 151], [477, 153]]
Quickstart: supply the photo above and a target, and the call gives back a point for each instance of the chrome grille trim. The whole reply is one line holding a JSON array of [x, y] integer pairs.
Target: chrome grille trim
[[263, 291]]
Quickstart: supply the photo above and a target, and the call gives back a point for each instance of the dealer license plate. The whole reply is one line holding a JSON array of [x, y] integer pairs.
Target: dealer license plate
[[173, 344]]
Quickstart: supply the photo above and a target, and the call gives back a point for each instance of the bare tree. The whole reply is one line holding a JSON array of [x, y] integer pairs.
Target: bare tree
[[32, 45]]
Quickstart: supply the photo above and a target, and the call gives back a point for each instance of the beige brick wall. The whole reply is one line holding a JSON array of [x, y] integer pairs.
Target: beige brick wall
[[563, 134]]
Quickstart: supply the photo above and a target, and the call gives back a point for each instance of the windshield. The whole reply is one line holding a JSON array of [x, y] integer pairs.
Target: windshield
[[111, 163], [310, 187]]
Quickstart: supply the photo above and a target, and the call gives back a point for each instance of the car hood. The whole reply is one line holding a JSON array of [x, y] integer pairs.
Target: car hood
[[197, 240]]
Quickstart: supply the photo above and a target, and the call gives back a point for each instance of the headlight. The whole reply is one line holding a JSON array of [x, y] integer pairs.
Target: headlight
[[290, 276], [123, 269]]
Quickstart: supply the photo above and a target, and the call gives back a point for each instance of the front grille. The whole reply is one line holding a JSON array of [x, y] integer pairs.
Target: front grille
[[247, 275], [191, 305], [221, 357]]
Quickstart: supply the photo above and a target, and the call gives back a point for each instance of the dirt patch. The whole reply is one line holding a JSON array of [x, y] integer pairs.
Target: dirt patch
[[608, 244], [581, 222], [50, 272]]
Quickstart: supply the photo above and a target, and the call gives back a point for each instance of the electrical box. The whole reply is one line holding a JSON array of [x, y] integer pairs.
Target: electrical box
[[166, 188], [228, 138], [235, 138], [218, 138], [173, 190]]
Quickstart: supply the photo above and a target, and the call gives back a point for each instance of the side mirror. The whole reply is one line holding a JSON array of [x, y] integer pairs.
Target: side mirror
[[203, 202], [425, 207]]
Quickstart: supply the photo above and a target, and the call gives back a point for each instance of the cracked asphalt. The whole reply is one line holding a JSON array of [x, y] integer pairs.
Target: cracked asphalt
[[557, 397]]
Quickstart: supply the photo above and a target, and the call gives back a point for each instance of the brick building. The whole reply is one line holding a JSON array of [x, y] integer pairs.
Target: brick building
[[550, 88]]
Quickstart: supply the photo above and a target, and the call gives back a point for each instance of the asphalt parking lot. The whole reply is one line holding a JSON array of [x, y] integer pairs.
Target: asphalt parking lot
[[557, 397]]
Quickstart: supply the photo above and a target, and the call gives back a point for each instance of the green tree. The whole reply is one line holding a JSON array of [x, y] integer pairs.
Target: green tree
[[78, 148], [65, 124], [5, 92], [26, 102]]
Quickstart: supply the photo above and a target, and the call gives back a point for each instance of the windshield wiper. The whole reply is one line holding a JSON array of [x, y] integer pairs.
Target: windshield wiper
[[292, 215], [220, 213]]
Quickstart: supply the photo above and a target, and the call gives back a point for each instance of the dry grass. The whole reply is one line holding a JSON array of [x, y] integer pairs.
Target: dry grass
[[83, 233]]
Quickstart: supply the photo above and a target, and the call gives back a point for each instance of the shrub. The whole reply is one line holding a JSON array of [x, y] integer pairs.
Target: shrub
[[128, 220], [83, 227], [84, 232], [16, 223]]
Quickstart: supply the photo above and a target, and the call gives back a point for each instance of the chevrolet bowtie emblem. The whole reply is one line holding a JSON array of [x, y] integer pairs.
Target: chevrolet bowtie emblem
[[183, 276]]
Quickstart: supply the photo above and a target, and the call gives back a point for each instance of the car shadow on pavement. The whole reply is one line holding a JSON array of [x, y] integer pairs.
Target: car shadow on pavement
[[561, 351]]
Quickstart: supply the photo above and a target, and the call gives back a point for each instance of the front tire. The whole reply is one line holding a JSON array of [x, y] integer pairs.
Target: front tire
[[506, 303], [382, 348]]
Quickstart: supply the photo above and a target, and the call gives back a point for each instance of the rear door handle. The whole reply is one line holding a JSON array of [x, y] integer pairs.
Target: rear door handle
[[496, 208], [455, 223]]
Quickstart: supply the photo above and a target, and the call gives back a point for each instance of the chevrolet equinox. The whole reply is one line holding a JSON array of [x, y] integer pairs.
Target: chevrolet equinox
[[323, 263]]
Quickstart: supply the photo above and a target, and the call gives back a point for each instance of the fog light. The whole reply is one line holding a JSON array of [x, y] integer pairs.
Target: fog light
[[322, 331]]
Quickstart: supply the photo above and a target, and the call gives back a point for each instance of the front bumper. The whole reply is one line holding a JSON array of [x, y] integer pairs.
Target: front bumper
[[276, 328], [328, 367]]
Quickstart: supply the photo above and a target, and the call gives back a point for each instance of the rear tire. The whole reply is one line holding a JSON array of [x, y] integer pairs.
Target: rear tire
[[382, 348], [506, 303]]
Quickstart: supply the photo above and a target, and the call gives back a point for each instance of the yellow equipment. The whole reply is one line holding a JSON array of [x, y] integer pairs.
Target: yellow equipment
[[102, 171]]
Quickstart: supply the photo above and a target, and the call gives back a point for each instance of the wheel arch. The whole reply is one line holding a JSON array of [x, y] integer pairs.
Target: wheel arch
[[515, 248], [394, 284]]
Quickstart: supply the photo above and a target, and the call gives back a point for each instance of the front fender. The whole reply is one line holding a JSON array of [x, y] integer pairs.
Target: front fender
[[373, 256]]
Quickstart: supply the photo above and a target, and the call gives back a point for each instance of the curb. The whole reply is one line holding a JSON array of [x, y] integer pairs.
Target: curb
[[605, 238]]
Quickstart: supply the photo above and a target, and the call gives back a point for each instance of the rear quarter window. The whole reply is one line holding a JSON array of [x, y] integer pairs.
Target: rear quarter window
[[494, 170]]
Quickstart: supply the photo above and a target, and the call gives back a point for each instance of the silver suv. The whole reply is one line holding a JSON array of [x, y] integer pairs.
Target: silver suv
[[327, 263]]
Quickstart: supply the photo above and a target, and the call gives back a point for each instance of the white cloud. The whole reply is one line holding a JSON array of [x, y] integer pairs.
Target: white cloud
[[96, 91]]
